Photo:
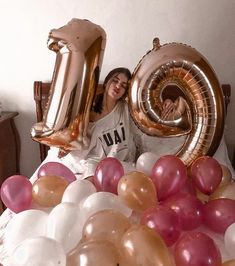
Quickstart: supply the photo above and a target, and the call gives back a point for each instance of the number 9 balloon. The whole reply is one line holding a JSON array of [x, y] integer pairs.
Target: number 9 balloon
[[79, 47]]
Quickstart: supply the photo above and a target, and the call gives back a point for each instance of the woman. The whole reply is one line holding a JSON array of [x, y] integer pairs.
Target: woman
[[109, 128]]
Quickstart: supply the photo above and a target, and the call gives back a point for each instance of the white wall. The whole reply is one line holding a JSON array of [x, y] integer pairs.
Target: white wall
[[207, 25]]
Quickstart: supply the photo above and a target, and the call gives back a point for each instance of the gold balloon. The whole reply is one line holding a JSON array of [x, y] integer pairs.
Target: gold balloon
[[48, 190], [137, 191], [226, 191], [141, 245], [107, 224], [95, 252], [160, 72], [79, 48], [229, 263]]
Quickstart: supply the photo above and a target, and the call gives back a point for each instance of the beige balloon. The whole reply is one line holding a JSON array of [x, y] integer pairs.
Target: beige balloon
[[229, 263], [226, 191], [141, 245], [107, 224], [48, 190], [137, 191], [95, 252]]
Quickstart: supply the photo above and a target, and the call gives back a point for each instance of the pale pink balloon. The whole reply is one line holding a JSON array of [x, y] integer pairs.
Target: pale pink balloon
[[219, 214], [207, 174], [16, 193], [56, 169], [196, 248], [169, 175], [107, 175], [164, 221], [188, 207]]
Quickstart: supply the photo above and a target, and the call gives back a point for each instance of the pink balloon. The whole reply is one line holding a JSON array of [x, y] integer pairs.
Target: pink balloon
[[169, 175], [188, 207], [107, 175], [189, 187], [164, 221], [206, 173], [16, 193], [196, 248], [219, 214], [58, 169]]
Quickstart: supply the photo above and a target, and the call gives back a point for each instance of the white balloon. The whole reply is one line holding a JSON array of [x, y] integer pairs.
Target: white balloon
[[100, 201], [64, 225], [23, 225], [38, 251], [229, 240], [145, 162], [77, 191]]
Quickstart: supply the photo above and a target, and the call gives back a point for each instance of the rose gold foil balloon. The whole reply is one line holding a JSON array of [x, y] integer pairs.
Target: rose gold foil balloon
[[178, 66], [226, 191], [141, 245], [95, 252], [79, 48], [48, 190], [229, 263], [137, 191], [107, 224]]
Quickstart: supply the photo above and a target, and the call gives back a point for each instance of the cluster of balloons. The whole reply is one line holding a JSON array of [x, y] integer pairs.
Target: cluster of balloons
[[139, 217]]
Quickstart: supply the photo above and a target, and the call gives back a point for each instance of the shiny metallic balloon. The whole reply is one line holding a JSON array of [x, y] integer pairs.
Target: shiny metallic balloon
[[159, 73], [79, 48]]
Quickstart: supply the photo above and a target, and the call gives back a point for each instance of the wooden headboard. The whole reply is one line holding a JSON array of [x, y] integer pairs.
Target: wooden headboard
[[41, 92]]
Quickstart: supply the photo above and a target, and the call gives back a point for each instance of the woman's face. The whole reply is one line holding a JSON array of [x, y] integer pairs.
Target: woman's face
[[116, 86]]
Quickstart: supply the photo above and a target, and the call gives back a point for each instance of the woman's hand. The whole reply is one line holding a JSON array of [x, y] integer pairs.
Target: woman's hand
[[173, 110]]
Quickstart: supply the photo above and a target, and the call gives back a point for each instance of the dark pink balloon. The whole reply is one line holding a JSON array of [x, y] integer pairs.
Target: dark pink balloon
[[107, 175], [196, 249], [189, 187], [169, 175], [206, 173], [219, 214], [188, 207], [16, 193], [164, 221], [58, 169]]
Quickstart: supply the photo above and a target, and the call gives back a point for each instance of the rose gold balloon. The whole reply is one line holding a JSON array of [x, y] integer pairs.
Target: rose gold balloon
[[229, 263], [141, 245], [95, 252], [227, 176], [107, 224], [226, 191], [137, 191], [48, 190]]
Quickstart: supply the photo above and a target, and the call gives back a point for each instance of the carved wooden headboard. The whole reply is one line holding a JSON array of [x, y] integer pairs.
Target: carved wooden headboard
[[41, 92]]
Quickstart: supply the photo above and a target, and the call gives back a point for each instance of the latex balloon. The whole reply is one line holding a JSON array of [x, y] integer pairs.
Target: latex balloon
[[56, 168], [196, 248], [202, 197], [169, 175], [137, 191], [78, 191], [27, 224], [64, 225], [16, 193], [206, 173], [164, 221], [103, 201], [38, 251], [226, 177], [141, 245], [145, 162], [177, 66], [229, 239], [108, 225], [219, 214], [189, 209], [95, 252], [229, 263], [79, 48], [107, 175], [48, 190], [226, 191]]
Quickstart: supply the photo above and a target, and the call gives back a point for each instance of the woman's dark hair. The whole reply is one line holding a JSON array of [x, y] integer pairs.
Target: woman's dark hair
[[98, 104]]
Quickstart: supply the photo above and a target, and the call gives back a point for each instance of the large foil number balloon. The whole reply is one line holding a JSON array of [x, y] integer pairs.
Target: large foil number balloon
[[79, 48], [179, 67]]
